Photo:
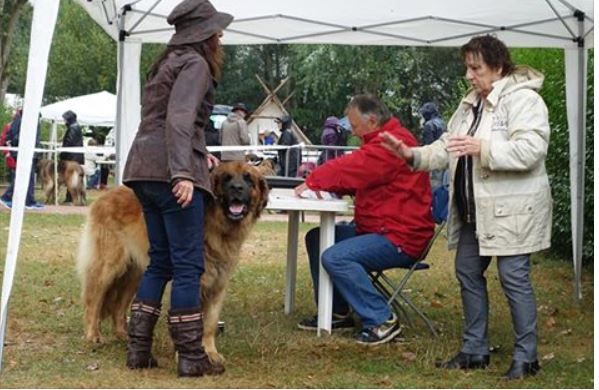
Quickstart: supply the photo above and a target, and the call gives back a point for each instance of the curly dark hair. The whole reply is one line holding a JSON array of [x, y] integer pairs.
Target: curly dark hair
[[493, 51]]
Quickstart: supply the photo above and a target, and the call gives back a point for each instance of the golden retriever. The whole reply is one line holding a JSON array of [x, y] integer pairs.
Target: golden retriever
[[113, 252], [70, 174]]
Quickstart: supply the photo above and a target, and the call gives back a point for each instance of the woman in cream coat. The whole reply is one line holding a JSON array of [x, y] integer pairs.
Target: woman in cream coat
[[500, 199]]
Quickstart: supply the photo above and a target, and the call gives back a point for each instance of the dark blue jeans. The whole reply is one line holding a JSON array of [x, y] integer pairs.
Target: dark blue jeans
[[348, 263], [176, 238], [30, 198]]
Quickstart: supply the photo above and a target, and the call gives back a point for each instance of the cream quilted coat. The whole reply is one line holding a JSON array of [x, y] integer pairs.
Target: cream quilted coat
[[511, 188]]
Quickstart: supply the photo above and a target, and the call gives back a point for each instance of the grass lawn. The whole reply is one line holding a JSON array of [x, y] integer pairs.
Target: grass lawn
[[44, 345]]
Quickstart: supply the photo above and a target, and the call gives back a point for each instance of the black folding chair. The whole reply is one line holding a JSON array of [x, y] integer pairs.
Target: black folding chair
[[396, 293]]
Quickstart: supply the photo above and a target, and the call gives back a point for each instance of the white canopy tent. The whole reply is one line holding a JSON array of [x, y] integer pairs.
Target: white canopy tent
[[96, 109], [566, 24]]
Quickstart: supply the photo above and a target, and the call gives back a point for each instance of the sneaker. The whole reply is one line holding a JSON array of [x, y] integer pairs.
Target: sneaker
[[6, 203], [337, 323], [381, 334], [34, 206]]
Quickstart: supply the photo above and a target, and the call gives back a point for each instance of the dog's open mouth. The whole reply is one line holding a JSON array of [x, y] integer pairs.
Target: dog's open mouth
[[237, 211]]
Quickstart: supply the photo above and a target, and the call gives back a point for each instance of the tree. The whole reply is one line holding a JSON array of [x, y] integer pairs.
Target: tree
[[9, 16]]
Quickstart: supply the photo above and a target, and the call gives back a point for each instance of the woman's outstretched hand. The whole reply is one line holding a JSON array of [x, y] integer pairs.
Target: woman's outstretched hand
[[397, 147]]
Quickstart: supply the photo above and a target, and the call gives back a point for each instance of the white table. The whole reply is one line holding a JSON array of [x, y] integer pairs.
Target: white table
[[283, 199]]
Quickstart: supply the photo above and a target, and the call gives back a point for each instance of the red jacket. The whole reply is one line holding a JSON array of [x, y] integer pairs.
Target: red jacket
[[390, 198]]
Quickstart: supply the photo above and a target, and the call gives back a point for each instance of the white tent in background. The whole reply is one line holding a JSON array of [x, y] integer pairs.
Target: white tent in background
[[96, 109], [271, 108], [565, 24]]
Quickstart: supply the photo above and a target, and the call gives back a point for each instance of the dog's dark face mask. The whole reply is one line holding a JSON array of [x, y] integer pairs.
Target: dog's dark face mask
[[236, 195], [240, 190]]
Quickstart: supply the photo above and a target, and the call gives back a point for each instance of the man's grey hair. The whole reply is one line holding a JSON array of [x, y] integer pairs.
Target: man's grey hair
[[369, 104]]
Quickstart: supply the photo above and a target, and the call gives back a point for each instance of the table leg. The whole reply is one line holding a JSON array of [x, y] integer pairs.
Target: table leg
[[291, 271], [325, 289]]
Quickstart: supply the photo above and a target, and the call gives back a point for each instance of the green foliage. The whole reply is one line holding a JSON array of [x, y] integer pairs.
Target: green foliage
[[326, 76], [551, 63]]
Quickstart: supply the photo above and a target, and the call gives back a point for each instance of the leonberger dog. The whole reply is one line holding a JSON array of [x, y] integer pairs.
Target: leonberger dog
[[113, 251], [70, 175]]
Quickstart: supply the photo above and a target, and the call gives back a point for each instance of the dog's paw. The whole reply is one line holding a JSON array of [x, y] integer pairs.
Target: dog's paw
[[94, 338], [215, 357]]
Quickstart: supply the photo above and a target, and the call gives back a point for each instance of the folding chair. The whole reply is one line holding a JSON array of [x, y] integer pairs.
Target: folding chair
[[396, 294]]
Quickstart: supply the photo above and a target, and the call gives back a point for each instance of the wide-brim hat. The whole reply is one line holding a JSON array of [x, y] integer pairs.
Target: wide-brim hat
[[195, 21], [240, 107]]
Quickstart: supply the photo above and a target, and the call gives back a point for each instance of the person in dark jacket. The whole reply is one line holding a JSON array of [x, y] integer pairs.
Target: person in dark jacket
[[332, 135], [433, 123], [168, 169], [292, 156], [393, 222], [72, 137], [432, 129], [12, 139]]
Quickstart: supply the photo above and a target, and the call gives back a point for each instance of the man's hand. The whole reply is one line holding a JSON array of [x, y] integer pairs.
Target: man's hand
[[183, 191], [464, 146], [212, 161], [397, 147]]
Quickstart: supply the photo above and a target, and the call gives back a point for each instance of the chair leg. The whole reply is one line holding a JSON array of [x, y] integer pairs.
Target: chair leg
[[394, 303], [421, 314], [394, 295]]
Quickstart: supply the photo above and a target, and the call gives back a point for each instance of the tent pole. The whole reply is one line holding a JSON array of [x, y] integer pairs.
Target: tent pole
[[578, 213], [43, 22], [119, 138]]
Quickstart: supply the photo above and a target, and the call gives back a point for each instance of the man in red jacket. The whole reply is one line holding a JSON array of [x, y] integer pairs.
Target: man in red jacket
[[393, 221]]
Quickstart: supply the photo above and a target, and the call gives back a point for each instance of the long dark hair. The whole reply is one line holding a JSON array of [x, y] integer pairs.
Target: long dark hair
[[210, 49]]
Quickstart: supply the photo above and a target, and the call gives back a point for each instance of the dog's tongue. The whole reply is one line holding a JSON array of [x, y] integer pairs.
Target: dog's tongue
[[236, 208]]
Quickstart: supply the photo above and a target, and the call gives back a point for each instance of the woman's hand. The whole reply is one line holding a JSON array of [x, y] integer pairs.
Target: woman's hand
[[183, 191], [212, 161], [397, 147], [464, 146]]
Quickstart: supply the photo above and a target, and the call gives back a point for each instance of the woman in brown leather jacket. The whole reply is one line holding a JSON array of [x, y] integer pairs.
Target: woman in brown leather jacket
[[167, 168]]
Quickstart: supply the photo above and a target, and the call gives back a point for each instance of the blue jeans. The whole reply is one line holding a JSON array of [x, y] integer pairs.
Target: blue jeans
[[30, 198], [93, 181], [348, 263], [176, 238]]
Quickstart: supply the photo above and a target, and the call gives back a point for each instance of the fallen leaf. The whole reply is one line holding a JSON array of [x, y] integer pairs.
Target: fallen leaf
[[550, 322], [549, 356], [437, 304], [93, 367], [409, 356], [565, 332], [580, 360]]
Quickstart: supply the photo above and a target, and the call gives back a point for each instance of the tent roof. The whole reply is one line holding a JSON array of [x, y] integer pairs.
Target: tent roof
[[530, 23], [96, 109]]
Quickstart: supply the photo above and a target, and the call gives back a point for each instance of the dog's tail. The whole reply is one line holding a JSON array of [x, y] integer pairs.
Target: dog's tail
[[75, 180], [85, 252]]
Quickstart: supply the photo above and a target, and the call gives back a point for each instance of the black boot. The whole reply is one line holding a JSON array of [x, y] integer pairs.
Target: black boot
[[520, 370], [186, 328], [464, 361], [141, 330]]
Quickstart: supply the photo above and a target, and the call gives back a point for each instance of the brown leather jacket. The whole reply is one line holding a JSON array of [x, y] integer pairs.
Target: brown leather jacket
[[176, 105]]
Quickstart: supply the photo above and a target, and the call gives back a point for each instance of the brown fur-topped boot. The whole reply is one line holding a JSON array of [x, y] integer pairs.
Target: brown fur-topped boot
[[140, 334], [186, 328]]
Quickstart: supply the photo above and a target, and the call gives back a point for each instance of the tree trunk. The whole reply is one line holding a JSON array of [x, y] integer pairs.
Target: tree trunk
[[12, 9]]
